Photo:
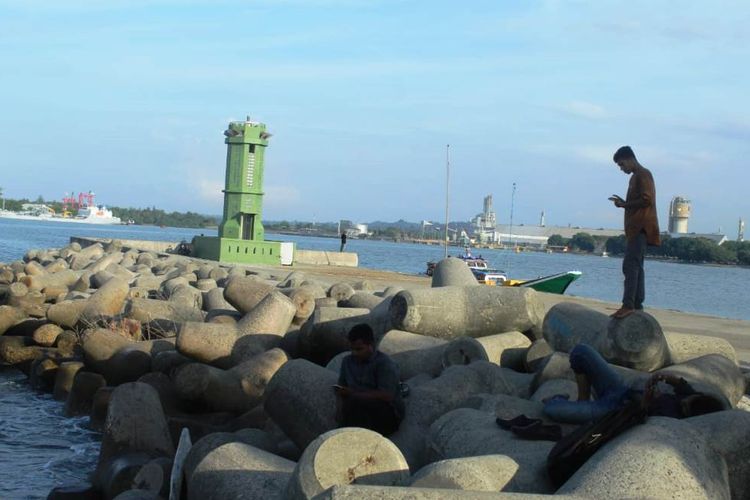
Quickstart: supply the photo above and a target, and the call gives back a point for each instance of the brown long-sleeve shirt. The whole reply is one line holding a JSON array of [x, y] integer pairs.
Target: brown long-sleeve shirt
[[640, 207]]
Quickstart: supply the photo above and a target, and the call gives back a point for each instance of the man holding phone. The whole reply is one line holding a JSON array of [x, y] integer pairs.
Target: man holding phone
[[368, 389], [641, 228]]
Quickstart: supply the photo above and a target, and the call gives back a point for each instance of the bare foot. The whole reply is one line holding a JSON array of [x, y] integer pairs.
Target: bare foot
[[622, 312]]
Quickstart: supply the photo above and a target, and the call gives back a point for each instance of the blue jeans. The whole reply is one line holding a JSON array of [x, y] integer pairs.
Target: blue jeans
[[610, 390]]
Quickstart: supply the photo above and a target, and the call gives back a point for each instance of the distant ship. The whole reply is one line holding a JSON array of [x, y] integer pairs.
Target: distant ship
[[87, 211]]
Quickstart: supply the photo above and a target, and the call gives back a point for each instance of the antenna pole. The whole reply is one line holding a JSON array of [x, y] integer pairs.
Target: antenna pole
[[447, 191], [512, 203]]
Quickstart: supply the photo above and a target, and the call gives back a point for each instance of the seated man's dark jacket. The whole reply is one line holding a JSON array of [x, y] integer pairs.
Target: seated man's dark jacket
[[379, 372]]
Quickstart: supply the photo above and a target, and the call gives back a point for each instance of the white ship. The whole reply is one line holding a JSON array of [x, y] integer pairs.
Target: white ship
[[88, 212]]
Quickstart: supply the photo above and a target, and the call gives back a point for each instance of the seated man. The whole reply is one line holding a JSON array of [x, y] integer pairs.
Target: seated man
[[612, 393], [368, 387]]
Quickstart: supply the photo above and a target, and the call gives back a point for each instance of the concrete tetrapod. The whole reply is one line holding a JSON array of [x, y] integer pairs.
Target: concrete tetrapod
[[210, 442], [66, 279], [304, 302], [536, 354], [452, 389], [261, 329], [135, 422], [482, 473], [238, 470], [714, 374], [81, 395], [506, 349], [244, 292], [453, 272], [100, 345], [67, 312], [300, 400], [145, 310], [345, 456], [214, 299], [64, 379], [107, 301], [237, 390], [272, 315], [9, 316], [340, 291], [433, 360], [684, 347], [663, 458], [465, 432], [429, 401], [325, 333], [210, 343], [635, 341], [450, 312], [357, 492], [728, 432], [362, 300], [46, 335], [395, 341]]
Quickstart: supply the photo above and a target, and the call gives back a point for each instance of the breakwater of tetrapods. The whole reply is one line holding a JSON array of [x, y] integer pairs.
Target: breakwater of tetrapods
[[216, 380]]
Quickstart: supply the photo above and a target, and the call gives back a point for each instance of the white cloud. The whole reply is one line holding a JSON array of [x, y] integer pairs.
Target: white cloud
[[281, 196], [585, 109], [209, 190], [595, 154]]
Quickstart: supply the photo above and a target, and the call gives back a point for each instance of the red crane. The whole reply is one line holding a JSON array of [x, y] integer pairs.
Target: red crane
[[70, 202], [87, 197]]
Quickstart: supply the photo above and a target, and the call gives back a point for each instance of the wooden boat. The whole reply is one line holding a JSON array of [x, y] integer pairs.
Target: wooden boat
[[554, 283]]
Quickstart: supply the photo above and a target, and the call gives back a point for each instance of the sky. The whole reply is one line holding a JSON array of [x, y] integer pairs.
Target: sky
[[130, 99]]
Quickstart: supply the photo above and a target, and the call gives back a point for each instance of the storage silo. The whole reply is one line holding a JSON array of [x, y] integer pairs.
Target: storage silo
[[679, 213]]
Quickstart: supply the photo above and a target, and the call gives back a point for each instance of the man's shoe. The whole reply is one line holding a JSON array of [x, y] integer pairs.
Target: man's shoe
[[538, 432], [519, 421], [622, 312]]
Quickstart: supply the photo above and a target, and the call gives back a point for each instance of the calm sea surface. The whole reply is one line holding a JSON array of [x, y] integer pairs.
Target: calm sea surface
[[42, 449]]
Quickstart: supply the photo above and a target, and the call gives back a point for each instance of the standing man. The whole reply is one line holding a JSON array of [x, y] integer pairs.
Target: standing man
[[368, 389], [641, 228], [343, 241]]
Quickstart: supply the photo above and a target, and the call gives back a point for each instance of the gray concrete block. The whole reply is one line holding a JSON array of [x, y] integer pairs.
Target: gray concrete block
[[345, 456], [482, 473], [664, 458], [466, 432]]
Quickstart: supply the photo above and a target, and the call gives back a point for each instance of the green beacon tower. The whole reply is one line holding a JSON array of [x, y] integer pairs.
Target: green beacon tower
[[241, 236]]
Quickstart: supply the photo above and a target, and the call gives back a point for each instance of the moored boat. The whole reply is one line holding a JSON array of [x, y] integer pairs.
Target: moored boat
[[554, 283], [87, 211]]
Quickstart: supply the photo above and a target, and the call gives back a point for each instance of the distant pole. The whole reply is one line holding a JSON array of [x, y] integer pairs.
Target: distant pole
[[512, 202], [447, 191]]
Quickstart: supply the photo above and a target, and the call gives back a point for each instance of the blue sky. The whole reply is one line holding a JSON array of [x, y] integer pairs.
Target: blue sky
[[130, 99]]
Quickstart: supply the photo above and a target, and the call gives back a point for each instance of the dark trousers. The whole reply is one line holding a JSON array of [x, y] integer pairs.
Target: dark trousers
[[632, 268], [377, 416]]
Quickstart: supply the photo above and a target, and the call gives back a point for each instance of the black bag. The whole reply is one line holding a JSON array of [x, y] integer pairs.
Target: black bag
[[572, 451]]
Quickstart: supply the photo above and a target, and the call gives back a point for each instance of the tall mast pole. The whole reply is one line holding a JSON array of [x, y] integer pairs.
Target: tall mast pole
[[447, 192], [512, 202]]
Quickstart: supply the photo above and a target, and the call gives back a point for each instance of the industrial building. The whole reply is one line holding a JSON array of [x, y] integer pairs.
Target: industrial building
[[487, 231], [352, 230]]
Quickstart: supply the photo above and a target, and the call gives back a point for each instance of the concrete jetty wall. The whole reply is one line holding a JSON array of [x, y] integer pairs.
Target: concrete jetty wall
[[305, 257]]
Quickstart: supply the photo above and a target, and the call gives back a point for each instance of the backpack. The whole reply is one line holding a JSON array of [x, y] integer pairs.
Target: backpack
[[572, 451]]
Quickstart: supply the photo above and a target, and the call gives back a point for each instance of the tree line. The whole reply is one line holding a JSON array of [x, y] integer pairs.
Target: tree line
[[698, 250], [143, 216]]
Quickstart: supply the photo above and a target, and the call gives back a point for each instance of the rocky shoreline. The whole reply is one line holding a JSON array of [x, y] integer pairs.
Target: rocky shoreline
[[214, 381]]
